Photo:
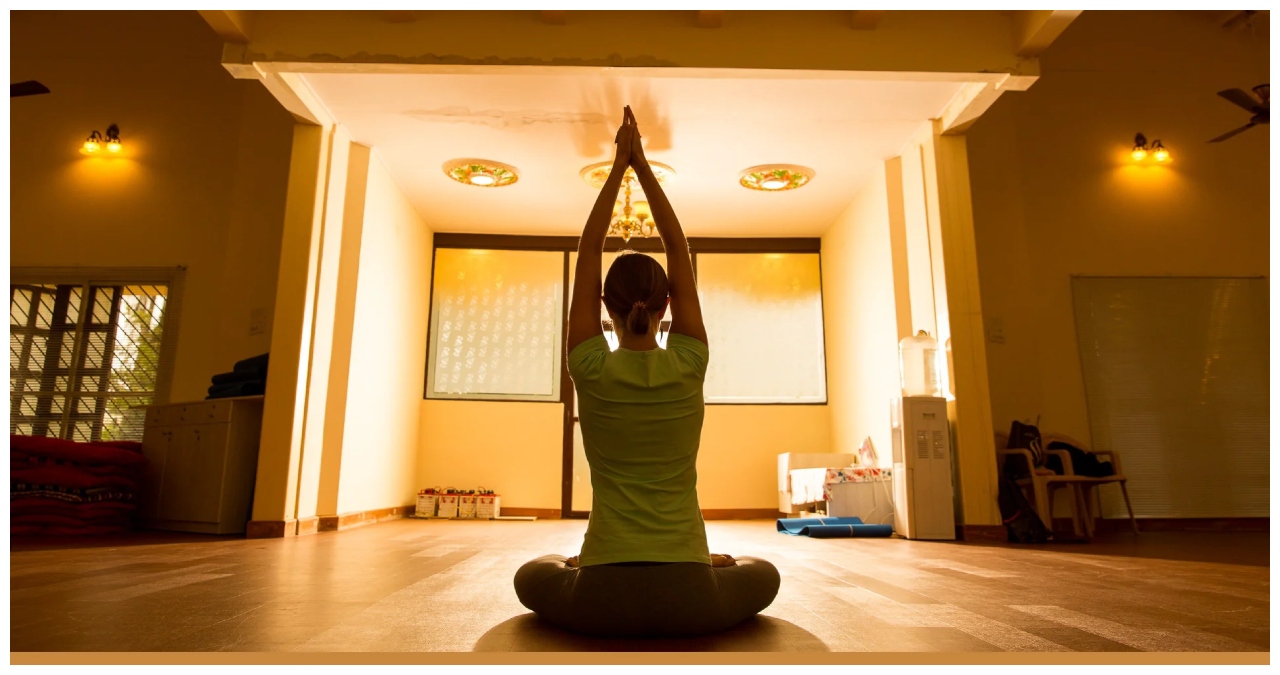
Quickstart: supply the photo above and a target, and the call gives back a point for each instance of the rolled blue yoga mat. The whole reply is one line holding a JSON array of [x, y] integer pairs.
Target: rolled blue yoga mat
[[831, 528]]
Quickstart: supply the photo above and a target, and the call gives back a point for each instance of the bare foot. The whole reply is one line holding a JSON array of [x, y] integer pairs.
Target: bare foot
[[571, 562], [722, 560]]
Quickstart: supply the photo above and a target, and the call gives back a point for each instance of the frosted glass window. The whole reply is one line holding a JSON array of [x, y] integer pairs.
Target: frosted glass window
[[763, 313], [496, 320]]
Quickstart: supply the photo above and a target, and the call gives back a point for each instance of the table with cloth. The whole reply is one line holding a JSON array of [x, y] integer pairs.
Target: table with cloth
[[856, 491]]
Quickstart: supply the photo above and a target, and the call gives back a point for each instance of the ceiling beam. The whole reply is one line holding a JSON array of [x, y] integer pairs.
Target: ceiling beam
[[866, 19], [555, 17], [400, 15], [709, 18], [1035, 30], [232, 25], [974, 98], [1234, 18]]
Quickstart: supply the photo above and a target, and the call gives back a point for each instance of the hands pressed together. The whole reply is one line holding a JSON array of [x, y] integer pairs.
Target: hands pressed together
[[629, 152]]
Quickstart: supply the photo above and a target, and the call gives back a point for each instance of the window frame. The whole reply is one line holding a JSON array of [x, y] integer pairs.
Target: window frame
[[172, 278], [823, 335], [432, 323], [569, 244]]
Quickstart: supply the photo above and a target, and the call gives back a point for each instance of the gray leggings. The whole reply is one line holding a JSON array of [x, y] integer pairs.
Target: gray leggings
[[646, 599]]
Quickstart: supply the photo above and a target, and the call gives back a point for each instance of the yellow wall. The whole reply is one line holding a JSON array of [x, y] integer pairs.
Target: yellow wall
[[203, 181], [515, 448], [1055, 195], [518, 448], [861, 323], [381, 446], [738, 459]]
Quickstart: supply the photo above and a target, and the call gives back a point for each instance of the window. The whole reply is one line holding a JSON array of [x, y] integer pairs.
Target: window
[[763, 313], [84, 358], [499, 310], [496, 325]]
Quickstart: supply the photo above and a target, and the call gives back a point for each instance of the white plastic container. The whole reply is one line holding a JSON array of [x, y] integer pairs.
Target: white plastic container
[[918, 365]]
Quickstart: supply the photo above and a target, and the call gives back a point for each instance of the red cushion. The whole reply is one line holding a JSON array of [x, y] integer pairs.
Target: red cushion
[[84, 453]]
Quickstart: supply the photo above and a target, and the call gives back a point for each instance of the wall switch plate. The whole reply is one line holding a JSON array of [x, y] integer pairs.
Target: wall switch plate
[[995, 330], [258, 321]]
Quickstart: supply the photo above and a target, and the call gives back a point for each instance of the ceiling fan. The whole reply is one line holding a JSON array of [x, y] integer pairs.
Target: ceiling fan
[[28, 88], [1260, 107]]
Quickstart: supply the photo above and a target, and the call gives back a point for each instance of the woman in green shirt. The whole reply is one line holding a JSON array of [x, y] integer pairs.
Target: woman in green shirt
[[644, 569]]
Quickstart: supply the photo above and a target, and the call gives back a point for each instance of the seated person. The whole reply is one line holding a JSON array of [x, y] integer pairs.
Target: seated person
[[644, 569]]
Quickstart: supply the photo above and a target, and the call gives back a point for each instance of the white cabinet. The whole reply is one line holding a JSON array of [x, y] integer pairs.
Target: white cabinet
[[202, 463]]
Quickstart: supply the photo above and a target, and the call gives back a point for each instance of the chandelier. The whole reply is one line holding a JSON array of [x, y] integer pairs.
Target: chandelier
[[629, 218]]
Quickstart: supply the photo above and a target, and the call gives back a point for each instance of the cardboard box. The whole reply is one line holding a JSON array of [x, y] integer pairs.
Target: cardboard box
[[488, 506], [426, 506], [466, 506], [448, 506]]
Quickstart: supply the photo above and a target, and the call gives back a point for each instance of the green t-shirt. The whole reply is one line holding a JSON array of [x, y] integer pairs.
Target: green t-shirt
[[641, 415]]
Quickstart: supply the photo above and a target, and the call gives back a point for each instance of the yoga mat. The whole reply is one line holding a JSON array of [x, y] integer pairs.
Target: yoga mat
[[831, 528]]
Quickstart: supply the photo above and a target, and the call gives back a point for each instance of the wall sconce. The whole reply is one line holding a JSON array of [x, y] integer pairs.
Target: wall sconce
[[94, 144], [113, 139], [1158, 151], [1140, 148]]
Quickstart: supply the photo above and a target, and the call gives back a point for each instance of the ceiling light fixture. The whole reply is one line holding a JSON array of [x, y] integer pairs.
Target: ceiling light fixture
[[775, 177], [481, 172], [629, 218]]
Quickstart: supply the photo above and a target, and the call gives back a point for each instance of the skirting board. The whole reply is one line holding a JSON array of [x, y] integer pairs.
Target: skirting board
[[742, 514], [273, 529], [707, 514], [347, 521], [987, 533], [270, 529], [1121, 525], [540, 514], [266, 529]]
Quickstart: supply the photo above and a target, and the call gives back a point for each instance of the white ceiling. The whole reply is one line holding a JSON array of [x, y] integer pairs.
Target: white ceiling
[[551, 125]]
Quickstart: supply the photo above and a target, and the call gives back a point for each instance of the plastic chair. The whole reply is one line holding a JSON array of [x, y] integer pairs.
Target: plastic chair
[[1087, 484]]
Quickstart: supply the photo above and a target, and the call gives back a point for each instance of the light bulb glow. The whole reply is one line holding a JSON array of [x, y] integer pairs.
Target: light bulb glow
[[1139, 154], [113, 146], [481, 179], [1161, 155], [90, 146], [773, 184]]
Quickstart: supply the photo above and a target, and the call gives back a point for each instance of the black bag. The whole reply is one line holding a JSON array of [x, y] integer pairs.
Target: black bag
[[1025, 436], [1020, 519], [1084, 463]]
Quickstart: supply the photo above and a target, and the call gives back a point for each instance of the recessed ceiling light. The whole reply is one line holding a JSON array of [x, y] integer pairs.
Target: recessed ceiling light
[[775, 177], [481, 172]]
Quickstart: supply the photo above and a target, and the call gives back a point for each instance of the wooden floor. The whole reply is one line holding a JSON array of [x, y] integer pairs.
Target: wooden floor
[[410, 585]]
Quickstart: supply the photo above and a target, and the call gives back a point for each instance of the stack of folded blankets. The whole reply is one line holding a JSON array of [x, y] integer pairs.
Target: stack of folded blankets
[[249, 378], [66, 488]]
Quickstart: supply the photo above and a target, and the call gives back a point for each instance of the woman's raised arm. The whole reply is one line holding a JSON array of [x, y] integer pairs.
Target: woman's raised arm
[[686, 311], [584, 303]]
